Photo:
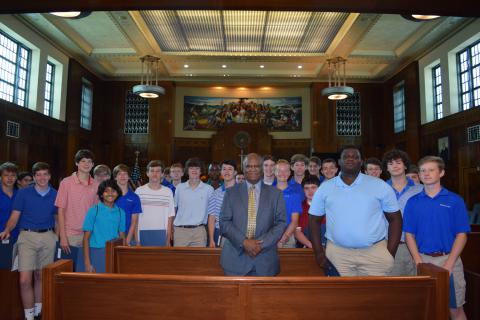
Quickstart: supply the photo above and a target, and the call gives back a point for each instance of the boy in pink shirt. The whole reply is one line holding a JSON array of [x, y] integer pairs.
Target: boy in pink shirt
[[76, 194]]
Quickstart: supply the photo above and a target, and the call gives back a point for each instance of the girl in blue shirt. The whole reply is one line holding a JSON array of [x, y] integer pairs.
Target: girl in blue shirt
[[103, 222]]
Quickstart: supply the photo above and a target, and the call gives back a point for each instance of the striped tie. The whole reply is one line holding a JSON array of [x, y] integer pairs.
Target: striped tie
[[252, 215]]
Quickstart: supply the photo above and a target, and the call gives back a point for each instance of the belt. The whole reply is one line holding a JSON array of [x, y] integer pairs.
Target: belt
[[436, 254], [402, 242], [38, 230], [191, 226]]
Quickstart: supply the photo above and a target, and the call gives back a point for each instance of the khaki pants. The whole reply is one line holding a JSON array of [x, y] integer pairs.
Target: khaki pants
[[190, 237], [371, 261], [404, 264]]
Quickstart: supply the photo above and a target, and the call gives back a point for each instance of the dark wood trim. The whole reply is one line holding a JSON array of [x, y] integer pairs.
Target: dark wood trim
[[446, 8]]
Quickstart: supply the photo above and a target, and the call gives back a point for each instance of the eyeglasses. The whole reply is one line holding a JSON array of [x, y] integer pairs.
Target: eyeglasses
[[252, 166]]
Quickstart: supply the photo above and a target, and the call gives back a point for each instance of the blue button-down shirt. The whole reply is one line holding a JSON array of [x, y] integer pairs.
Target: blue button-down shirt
[[192, 204]]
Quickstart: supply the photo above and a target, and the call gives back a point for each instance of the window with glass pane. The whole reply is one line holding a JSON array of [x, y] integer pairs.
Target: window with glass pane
[[48, 99], [437, 92], [399, 108], [86, 108], [469, 76], [14, 70]]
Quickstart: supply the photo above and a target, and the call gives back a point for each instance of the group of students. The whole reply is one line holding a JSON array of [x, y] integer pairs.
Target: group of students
[[180, 209]]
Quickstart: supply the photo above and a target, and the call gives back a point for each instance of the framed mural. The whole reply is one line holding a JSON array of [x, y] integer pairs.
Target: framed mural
[[212, 113]]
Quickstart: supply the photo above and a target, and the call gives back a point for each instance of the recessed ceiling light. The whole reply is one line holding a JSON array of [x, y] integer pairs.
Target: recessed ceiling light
[[186, 66], [300, 67], [224, 66], [262, 66]]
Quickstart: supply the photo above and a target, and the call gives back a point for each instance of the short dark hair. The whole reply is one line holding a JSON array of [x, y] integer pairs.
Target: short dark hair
[[316, 160], [37, 166], [349, 147], [311, 179], [193, 162], [24, 174], [230, 163], [9, 167], [106, 184], [269, 157], [330, 160], [298, 158], [84, 154], [412, 169], [374, 161], [395, 154], [155, 163]]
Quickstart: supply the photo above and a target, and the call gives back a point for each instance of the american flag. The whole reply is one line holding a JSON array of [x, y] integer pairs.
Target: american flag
[[136, 174]]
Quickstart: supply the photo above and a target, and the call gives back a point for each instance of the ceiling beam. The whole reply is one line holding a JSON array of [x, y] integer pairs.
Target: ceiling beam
[[439, 7]]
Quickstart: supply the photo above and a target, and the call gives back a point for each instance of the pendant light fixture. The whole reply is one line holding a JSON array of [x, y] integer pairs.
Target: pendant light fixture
[[148, 87], [337, 85]]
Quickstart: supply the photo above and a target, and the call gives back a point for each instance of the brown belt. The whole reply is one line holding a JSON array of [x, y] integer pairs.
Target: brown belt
[[437, 254]]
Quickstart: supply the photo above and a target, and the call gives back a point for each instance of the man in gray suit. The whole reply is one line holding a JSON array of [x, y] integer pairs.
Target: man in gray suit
[[252, 221]]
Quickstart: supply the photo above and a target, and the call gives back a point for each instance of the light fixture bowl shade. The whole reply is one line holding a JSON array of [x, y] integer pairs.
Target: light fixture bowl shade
[[72, 14], [420, 17], [337, 93], [148, 91]]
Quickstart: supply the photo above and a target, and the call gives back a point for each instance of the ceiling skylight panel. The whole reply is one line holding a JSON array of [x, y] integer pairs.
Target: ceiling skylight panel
[[244, 30], [285, 30], [166, 29], [323, 28], [203, 29]]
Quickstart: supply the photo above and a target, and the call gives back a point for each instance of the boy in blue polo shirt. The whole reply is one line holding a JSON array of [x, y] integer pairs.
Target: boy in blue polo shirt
[[436, 226], [8, 192], [34, 210], [129, 201]]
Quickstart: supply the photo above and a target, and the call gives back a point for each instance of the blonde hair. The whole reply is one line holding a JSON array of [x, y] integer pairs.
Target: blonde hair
[[439, 161]]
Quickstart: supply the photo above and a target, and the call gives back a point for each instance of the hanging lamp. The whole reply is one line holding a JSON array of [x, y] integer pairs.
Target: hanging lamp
[[148, 87], [337, 85]]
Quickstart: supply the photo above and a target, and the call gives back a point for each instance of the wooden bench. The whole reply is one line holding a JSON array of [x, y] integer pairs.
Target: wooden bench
[[195, 261], [74, 296], [471, 265]]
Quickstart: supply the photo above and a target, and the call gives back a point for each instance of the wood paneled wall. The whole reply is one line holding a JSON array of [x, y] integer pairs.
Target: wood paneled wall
[[409, 140], [325, 139], [463, 167], [156, 144], [77, 137], [41, 139]]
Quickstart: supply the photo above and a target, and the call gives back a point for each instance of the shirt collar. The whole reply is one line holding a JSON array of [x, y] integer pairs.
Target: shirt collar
[[257, 185], [443, 192], [15, 190], [77, 180], [339, 182]]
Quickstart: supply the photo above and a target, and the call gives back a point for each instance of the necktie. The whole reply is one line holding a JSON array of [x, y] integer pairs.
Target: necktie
[[252, 215]]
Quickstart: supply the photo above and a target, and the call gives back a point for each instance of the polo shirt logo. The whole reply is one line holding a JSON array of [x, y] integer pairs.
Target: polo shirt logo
[[444, 205]]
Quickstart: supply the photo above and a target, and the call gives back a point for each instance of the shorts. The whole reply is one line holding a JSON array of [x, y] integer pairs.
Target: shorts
[[35, 250], [457, 279]]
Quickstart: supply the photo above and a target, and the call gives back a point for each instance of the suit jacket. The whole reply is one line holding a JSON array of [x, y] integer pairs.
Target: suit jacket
[[271, 223]]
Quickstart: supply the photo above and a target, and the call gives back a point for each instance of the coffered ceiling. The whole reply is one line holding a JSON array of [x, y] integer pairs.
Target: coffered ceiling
[[228, 45]]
